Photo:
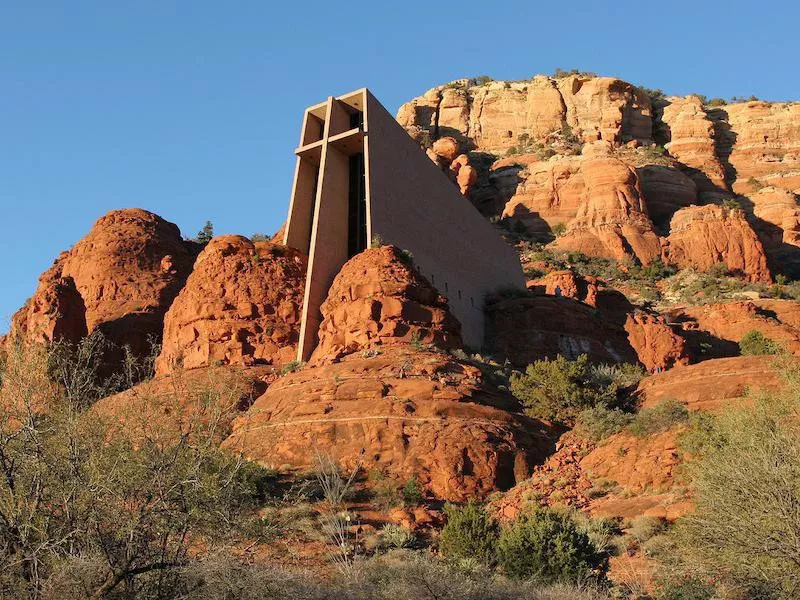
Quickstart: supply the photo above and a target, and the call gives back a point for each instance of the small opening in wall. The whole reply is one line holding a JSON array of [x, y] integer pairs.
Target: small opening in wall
[[472, 301], [459, 294]]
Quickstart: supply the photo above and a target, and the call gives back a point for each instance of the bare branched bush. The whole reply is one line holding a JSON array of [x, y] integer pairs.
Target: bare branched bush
[[109, 510], [338, 524]]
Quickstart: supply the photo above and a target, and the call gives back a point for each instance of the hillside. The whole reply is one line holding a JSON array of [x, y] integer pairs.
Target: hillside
[[660, 238]]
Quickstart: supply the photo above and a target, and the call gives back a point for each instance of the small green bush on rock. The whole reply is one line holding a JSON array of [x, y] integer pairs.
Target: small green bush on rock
[[658, 418], [755, 343], [558, 390]]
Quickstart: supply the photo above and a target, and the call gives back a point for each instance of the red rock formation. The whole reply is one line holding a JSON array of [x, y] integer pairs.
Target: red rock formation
[[404, 412], [493, 116], [692, 140], [240, 306], [559, 481], [120, 278], [55, 312], [656, 344], [709, 385], [763, 143], [376, 300], [524, 330], [446, 148], [612, 220], [665, 190], [568, 284], [777, 223], [777, 319], [445, 152], [540, 194], [636, 464], [703, 236]]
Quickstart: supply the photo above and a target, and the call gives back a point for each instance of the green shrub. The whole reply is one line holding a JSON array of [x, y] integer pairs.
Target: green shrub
[[659, 418], [559, 229], [755, 343], [685, 588], [290, 367], [547, 546], [468, 533], [558, 390], [716, 102], [599, 422], [412, 492], [406, 257]]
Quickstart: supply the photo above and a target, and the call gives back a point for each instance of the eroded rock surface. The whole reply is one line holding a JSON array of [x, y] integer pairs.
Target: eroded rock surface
[[378, 299], [404, 412], [704, 236], [240, 306], [120, 279]]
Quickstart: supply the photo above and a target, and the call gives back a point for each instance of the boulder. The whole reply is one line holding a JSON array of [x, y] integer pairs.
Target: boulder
[[657, 346], [710, 385], [378, 299], [120, 279], [240, 306]]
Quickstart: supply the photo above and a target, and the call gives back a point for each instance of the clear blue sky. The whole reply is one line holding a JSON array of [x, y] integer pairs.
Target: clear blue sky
[[191, 109]]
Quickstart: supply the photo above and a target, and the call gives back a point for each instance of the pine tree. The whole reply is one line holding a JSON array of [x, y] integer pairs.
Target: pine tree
[[205, 234]]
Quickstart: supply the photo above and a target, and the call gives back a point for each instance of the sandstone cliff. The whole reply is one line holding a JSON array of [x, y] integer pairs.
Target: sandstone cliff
[[525, 140]]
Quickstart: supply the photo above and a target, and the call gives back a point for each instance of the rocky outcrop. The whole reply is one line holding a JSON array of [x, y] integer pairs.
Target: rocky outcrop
[[524, 330], [762, 143], [635, 464], [692, 139], [119, 279], [722, 326], [377, 300], [400, 411], [776, 220], [657, 346], [704, 236], [240, 306], [541, 194], [666, 190], [559, 481], [612, 219], [55, 312], [568, 284], [446, 154], [493, 116], [709, 385]]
